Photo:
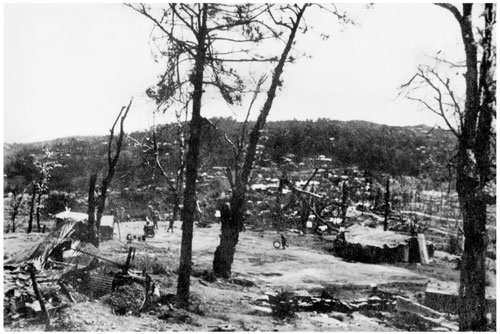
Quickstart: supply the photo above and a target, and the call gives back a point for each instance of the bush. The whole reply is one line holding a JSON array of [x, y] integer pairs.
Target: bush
[[283, 305]]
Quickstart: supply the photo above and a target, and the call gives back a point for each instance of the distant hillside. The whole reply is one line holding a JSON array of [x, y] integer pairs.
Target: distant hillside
[[411, 150]]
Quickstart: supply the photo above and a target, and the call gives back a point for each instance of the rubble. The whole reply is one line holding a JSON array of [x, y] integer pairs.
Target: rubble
[[62, 270], [126, 299], [325, 303]]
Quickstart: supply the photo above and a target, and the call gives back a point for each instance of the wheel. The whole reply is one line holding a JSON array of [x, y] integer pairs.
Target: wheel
[[277, 244]]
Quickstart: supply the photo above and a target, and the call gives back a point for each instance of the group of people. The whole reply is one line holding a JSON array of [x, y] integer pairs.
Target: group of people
[[155, 216], [120, 215]]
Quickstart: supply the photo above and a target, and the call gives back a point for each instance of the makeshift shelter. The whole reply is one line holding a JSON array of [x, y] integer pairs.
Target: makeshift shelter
[[373, 245], [106, 229]]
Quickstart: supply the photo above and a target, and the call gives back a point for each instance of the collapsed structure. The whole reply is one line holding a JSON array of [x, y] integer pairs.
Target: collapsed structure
[[64, 268]]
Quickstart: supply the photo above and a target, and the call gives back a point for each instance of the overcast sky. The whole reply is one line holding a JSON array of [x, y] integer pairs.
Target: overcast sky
[[68, 68]]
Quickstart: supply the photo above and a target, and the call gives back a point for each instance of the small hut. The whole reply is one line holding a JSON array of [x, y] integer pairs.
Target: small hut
[[106, 229]]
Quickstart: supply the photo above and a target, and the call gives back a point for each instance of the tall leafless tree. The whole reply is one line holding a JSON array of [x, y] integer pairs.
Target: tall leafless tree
[[97, 199], [471, 119]]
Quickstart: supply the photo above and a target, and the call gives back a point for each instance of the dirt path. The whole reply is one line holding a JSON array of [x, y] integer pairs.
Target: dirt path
[[294, 268]]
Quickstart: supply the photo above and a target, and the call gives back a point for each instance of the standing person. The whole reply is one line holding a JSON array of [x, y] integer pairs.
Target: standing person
[[283, 241], [122, 214], [171, 225], [156, 217]]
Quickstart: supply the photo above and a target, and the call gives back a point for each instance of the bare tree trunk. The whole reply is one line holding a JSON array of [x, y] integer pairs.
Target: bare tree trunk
[[224, 254], [92, 230], [230, 239], [304, 216], [474, 160], [192, 162], [345, 197], [474, 169], [387, 204], [472, 310], [97, 205], [38, 201], [15, 211], [32, 208]]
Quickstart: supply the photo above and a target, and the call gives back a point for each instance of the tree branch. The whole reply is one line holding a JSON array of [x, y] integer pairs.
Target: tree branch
[[454, 10]]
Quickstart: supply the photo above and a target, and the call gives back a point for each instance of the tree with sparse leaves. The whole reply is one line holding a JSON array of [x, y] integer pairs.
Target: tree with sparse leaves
[[198, 42], [40, 186], [472, 119], [287, 20]]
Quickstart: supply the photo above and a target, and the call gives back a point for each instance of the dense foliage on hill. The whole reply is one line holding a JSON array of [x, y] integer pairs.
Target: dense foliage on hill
[[414, 150]]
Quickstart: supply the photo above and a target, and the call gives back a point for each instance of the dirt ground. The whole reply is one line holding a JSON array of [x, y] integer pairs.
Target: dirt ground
[[299, 268]]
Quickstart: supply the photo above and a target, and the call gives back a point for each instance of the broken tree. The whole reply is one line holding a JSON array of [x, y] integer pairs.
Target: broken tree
[[97, 195]]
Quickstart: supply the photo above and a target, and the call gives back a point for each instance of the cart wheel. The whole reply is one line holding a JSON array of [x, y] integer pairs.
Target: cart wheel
[[277, 244]]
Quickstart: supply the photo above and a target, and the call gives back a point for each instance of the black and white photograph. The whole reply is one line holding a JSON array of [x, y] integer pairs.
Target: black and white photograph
[[249, 167]]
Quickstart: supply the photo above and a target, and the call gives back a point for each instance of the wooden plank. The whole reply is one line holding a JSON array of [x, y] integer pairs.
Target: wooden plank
[[422, 246], [406, 305]]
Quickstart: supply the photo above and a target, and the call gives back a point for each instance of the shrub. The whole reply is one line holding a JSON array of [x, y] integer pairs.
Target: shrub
[[283, 305]]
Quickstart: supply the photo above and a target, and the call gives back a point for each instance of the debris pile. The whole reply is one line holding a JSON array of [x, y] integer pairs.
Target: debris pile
[[126, 299], [30, 295], [325, 303], [399, 311], [62, 270]]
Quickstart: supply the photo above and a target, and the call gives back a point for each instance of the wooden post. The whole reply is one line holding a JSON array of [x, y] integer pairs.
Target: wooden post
[[65, 290], [39, 297], [387, 202], [422, 245], [147, 285], [129, 257]]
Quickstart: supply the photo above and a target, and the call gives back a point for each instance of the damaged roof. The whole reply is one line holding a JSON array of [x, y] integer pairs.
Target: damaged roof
[[376, 237], [80, 216]]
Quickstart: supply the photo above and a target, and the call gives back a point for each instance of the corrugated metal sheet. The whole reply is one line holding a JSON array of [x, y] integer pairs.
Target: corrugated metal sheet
[[78, 216], [106, 220], [81, 254], [47, 246], [100, 284]]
